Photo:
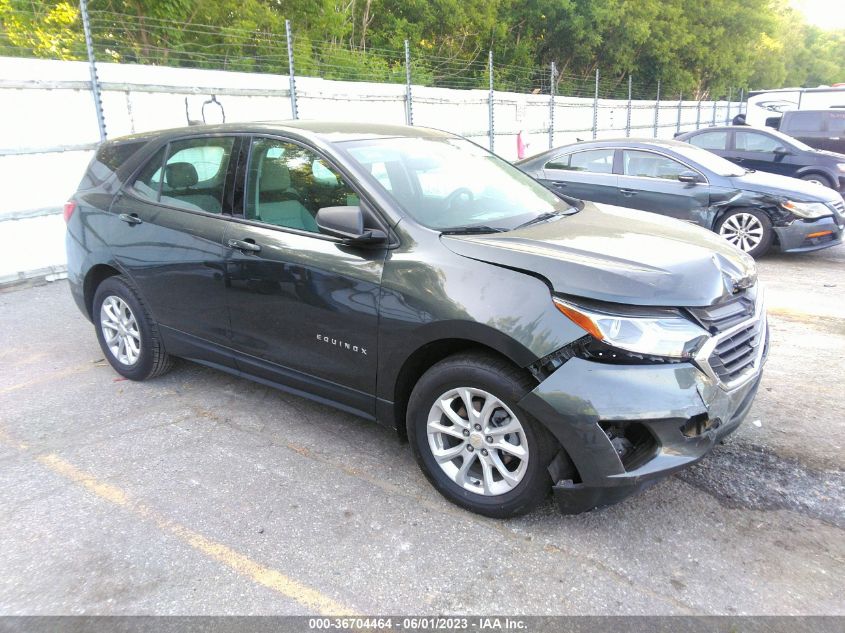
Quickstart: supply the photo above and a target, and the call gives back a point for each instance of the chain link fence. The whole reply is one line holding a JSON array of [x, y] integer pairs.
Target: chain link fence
[[105, 74]]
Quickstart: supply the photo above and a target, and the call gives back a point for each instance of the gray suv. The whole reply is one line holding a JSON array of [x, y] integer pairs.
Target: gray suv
[[522, 341]]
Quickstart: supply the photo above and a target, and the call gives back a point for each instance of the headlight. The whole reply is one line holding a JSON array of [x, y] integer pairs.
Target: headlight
[[654, 332], [840, 166], [809, 210]]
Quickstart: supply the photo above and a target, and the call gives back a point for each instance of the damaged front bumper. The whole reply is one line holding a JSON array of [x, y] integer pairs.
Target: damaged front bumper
[[627, 426], [806, 235]]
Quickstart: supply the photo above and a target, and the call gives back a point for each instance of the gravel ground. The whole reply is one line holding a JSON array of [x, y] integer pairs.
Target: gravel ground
[[199, 493]]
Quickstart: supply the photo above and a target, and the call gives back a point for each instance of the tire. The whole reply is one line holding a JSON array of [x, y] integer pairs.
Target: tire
[[818, 178], [126, 332], [749, 230], [486, 380]]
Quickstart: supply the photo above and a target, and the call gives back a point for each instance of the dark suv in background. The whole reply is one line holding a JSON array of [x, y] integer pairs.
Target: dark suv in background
[[822, 129], [523, 341], [771, 151]]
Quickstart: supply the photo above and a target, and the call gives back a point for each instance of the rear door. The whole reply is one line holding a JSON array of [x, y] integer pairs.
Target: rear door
[[304, 305], [584, 174], [716, 141], [171, 241], [649, 181]]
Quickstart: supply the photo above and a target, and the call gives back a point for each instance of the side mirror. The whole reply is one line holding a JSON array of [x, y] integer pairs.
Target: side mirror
[[782, 151], [347, 223], [689, 177]]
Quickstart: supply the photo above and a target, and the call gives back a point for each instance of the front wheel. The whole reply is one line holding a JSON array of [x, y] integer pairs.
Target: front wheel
[[747, 229], [473, 443]]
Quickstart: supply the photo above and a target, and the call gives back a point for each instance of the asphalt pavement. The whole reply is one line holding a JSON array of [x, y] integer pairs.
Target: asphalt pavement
[[200, 493]]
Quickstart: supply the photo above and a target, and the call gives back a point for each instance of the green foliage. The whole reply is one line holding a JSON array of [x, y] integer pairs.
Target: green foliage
[[697, 48]]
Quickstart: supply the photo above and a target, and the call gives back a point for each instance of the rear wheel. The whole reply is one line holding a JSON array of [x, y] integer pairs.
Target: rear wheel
[[127, 333], [473, 442], [819, 179], [747, 229]]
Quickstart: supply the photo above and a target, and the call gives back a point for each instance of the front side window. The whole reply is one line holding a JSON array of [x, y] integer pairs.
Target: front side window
[[804, 122], [450, 183], [710, 140], [649, 165], [287, 184], [755, 142]]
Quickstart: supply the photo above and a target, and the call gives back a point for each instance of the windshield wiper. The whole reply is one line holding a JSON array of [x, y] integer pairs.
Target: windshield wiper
[[540, 218], [472, 230]]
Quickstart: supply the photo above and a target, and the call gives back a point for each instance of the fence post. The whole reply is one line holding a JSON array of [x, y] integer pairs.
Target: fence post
[[92, 67], [596, 107], [742, 101], [698, 115], [490, 72], [714, 111], [728, 115], [293, 109], [409, 103], [680, 106], [657, 109], [552, 90], [628, 119]]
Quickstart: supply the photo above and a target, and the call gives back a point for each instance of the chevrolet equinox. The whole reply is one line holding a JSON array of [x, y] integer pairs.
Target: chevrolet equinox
[[524, 341]]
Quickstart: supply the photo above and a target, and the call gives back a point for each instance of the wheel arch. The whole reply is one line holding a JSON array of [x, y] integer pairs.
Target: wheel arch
[[423, 358], [814, 170], [95, 276]]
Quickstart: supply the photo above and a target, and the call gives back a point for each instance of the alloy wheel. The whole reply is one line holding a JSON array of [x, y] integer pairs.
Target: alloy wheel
[[477, 441], [743, 230], [120, 330]]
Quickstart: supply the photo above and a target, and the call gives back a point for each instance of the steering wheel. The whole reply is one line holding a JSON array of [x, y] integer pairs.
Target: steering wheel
[[456, 195]]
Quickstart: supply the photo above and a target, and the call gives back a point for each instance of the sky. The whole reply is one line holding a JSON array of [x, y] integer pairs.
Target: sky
[[826, 14]]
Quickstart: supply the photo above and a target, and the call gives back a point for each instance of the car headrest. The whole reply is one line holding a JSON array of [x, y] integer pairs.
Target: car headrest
[[275, 176], [180, 175]]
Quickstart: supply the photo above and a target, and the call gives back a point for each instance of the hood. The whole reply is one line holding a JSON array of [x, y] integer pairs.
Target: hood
[[618, 255], [839, 157], [776, 185]]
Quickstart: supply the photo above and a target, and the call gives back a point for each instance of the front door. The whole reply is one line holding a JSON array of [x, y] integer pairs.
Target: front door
[[304, 305], [756, 150], [171, 224], [649, 181]]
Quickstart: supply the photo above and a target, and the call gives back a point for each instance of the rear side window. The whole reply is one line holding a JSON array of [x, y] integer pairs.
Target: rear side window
[[797, 122], [710, 140], [108, 158], [192, 177], [597, 161]]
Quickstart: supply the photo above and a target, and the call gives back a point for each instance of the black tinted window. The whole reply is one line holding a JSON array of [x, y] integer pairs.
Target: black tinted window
[[108, 158], [558, 162], [802, 122], [836, 123]]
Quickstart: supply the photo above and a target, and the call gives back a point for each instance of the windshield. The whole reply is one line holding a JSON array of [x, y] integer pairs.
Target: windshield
[[450, 183], [710, 161]]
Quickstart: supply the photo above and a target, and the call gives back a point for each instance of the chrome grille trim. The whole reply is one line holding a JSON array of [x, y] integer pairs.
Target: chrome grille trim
[[709, 357]]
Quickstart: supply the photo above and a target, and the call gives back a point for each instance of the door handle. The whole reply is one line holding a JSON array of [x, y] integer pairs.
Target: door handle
[[246, 246], [130, 218], [628, 192], [560, 185], [738, 159]]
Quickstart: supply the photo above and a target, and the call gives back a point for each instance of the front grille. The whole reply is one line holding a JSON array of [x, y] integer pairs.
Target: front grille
[[718, 318], [839, 207], [737, 353]]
